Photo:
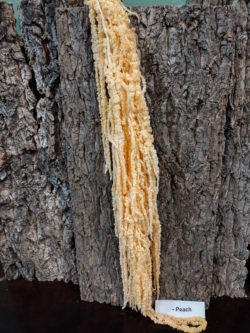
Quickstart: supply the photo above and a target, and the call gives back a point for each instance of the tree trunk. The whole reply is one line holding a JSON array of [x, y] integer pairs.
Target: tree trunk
[[56, 211], [36, 228]]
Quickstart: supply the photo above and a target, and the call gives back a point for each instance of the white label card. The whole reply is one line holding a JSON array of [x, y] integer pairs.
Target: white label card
[[182, 309]]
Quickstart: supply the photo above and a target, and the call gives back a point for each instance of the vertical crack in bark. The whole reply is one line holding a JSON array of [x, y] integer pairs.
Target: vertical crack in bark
[[229, 146], [2, 275], [33, 86], [247, 283]]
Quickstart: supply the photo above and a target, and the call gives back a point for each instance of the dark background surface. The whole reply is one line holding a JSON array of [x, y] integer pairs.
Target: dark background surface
[[43, 307]]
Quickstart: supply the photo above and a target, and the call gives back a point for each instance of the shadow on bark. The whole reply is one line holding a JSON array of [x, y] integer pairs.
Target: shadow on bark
[[247, 284]]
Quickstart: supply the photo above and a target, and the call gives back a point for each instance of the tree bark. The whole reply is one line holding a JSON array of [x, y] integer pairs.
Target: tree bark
[[36, 228], [56, 211]]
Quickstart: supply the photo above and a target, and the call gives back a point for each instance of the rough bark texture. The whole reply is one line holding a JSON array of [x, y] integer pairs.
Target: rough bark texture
[[36, 228], [197, 67], [96, 244], [193, 63]]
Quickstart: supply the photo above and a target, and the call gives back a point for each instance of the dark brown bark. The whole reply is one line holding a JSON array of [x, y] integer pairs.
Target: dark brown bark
[[96, 244], [196, 66], [36, 236]]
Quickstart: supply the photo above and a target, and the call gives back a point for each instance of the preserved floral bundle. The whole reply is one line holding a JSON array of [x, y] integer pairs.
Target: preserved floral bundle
[[130, 158]]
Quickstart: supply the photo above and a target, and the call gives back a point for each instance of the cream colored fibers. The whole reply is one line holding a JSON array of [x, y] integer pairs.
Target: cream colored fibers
[[130, 158]]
